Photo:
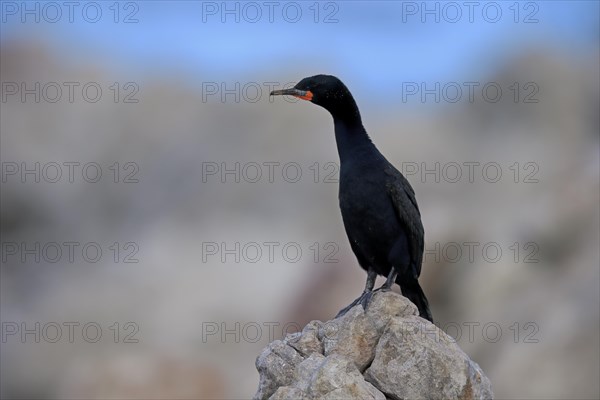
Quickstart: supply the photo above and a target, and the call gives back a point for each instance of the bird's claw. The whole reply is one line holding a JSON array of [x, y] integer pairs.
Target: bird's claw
[[382, 289], [363, 300]]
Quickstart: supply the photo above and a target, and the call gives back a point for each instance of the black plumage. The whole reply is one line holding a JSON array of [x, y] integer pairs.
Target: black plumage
[[378, 205]]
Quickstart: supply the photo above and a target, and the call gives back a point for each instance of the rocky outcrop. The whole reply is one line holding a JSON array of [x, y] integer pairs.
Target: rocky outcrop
[[387, 352]]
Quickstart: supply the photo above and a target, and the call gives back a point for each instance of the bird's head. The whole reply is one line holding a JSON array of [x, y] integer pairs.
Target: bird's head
[[326, 91]]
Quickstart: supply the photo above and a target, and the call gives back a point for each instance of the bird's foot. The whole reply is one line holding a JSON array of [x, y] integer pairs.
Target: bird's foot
[[383, 289], [366, 299], [363, 300], [389, 282]]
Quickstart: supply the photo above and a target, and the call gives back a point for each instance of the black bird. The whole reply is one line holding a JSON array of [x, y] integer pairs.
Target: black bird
[[379, 209]]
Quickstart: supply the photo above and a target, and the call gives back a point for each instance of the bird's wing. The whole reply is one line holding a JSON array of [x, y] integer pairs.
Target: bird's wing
[[407, 211]]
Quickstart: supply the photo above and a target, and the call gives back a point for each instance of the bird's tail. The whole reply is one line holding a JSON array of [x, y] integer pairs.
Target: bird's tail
[[414, 293]]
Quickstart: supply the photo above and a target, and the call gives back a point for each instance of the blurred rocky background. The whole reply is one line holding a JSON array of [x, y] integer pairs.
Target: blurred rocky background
[[200, 266]]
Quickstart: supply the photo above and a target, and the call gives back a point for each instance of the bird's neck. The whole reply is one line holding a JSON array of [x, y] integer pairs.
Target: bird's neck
[[351, 137]]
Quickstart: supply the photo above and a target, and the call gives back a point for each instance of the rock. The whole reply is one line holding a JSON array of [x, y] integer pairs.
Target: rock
[[356, 334], [355, 337], [334, 377], [307, 342], [414, 360], [276, 365], [386, 352], [289, 393]]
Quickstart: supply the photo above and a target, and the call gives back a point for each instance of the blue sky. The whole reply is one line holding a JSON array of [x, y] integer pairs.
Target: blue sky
[[379, 44]]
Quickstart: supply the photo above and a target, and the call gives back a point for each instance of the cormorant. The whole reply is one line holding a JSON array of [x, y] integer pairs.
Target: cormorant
[[378, 205]]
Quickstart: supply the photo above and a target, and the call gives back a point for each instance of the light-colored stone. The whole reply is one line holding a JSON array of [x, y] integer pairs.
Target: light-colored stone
[[355, 336], [276, 366], [338, 376], [289, 393], [416, 360], [306, 371], [386, 305], [307, 342], [385, 352]]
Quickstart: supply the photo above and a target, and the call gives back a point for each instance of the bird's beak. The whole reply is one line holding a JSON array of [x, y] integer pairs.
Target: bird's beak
[[301, 94]]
